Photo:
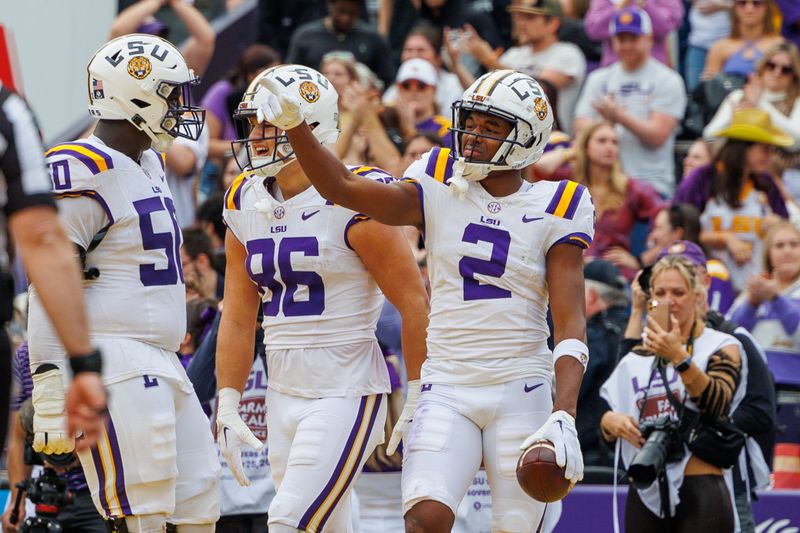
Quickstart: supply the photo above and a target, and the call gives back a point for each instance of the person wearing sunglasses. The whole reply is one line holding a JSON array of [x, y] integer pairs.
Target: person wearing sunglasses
[[753, 32], [416, 99], [774, 87]]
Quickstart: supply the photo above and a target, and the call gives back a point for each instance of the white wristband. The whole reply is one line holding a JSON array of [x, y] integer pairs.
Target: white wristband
[[572, 348]]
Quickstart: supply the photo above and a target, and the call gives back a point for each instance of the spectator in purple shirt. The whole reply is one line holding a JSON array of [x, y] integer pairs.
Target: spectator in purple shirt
[[666, 15], [769, 307], [790, 10]]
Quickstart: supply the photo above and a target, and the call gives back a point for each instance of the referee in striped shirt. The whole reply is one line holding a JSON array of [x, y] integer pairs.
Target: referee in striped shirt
[[28, 214]]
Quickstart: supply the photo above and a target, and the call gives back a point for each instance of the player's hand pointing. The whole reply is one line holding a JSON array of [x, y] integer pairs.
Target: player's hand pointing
[[232, 433], [560, 430], [281, 109]]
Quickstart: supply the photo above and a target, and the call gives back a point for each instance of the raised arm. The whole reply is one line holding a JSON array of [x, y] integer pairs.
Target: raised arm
[[395, 204], [200, 47]]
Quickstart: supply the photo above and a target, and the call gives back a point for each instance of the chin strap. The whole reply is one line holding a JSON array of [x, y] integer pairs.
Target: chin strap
[[464, 172]]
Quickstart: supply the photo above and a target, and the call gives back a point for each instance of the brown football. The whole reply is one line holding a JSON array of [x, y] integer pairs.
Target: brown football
[[539, 475]]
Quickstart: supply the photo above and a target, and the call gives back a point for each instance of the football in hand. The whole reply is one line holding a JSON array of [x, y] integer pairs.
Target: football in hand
[[539, 475]]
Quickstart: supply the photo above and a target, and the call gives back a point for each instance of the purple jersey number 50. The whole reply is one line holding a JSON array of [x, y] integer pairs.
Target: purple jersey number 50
[[495, 266], [289, 277], [170, 242]]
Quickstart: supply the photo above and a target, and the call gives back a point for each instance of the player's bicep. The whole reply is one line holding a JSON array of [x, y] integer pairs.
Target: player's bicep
[[395, 203]]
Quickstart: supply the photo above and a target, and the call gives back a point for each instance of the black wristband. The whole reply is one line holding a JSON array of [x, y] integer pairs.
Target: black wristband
[[92, 362]]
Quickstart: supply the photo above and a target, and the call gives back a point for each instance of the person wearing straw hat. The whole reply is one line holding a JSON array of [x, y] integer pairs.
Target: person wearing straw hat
[[736, 195]]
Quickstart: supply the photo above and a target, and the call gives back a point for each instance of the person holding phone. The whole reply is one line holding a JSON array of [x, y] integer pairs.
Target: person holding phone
[[685, 368]]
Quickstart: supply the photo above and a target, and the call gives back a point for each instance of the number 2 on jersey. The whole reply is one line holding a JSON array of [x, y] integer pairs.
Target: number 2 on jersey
[[290, 278], [495, 266]]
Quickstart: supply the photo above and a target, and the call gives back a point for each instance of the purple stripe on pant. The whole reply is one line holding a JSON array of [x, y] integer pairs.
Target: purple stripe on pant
[[119, 470], [101, 480], [309, 514], [355, 469]]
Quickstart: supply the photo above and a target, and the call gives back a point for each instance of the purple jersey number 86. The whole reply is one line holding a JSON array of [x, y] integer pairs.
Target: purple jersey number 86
[[290, 278]]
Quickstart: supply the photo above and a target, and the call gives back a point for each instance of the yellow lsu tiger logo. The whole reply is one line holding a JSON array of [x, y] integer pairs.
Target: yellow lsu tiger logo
[[309, 91], [540, 107], [139, 67]]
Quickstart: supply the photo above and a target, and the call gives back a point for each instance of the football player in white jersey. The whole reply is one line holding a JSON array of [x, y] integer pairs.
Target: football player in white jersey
[[317, 270], [499, 249], [155, 462]]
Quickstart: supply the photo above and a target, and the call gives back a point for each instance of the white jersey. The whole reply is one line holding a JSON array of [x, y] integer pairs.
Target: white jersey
[[320, 303], [745, 223], [140, 294], [487, 263]]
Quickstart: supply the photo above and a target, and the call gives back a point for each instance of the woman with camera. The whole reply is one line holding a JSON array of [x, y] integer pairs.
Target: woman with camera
[[663, 398]]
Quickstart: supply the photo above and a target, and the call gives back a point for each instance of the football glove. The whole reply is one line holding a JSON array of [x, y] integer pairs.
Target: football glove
[[405, 417], [280, 109], [50, 434], [560, 430], [232, 433]]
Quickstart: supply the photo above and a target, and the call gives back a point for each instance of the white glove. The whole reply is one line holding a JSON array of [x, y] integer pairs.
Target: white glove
[[49, 414], [405, 417], [232, 433], [560, 430], [281, 109]]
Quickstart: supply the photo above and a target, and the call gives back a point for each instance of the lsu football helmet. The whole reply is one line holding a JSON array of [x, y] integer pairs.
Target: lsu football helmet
[[145, 80], [511, 96], [319, 104]]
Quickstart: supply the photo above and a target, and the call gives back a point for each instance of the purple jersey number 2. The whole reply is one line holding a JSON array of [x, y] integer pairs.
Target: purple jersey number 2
[[170, 242], [290, 278], [495, 266]]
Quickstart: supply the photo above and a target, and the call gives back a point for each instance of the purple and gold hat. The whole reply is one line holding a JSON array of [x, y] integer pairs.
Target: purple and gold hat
[[631, 20], [685, 249]]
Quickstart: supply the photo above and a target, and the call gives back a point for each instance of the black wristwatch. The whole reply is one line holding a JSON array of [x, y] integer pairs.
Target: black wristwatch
[[684, 365]]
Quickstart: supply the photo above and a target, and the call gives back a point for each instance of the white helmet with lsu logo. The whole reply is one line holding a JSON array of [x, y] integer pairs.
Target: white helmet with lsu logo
[[145, 80], [511, 96], [319, 104]]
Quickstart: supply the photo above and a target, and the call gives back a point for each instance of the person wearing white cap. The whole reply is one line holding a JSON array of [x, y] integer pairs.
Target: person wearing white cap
[[416, 98]]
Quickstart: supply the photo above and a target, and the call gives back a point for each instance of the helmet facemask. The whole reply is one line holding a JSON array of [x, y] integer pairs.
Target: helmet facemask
[[246, 149], [182, 119]]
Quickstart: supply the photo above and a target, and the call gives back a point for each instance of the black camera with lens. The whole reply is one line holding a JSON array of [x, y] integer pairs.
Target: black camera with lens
[[663, 445], [49, 494]]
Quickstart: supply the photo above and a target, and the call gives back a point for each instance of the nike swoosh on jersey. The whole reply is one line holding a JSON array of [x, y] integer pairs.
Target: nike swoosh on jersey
[[306, 216], [533, 219], [533, 387]]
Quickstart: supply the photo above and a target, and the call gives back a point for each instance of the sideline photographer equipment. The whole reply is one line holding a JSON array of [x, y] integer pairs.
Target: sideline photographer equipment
[[663, 445], [49, 494]]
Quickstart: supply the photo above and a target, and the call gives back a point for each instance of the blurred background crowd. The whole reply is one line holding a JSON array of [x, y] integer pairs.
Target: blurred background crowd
[[681, 117]]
